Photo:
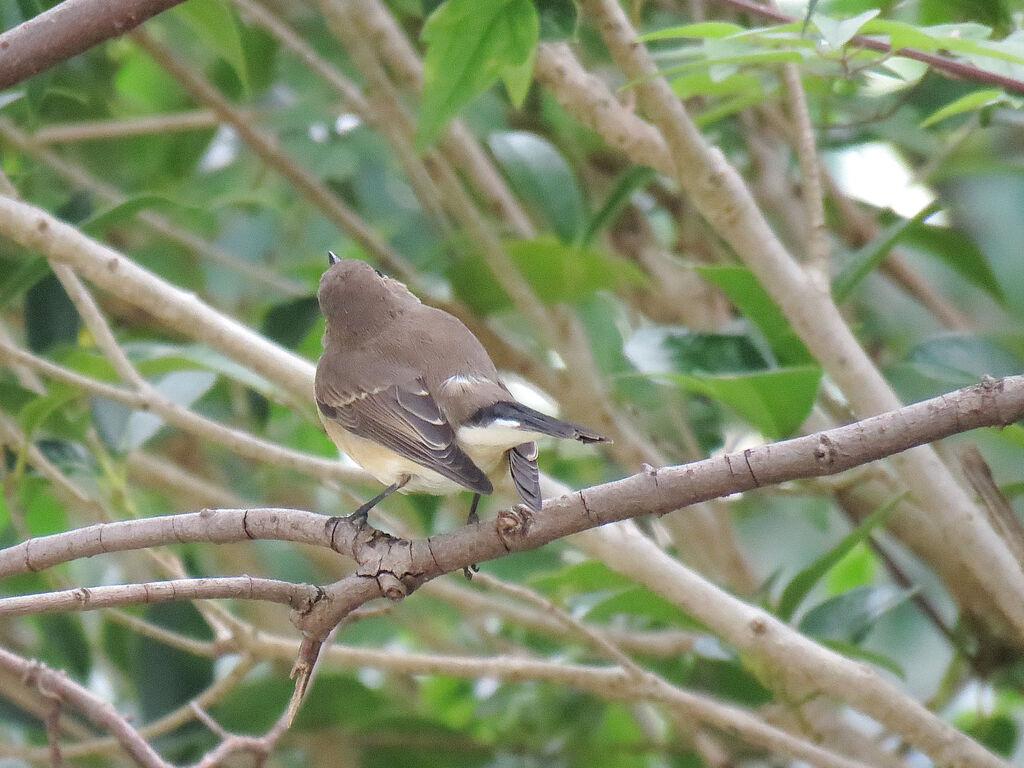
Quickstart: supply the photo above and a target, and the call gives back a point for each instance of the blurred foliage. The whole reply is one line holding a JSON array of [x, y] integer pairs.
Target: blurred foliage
[[620, 251]]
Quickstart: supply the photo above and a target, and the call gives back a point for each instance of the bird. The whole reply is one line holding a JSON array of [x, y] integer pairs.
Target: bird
[[411, 395]]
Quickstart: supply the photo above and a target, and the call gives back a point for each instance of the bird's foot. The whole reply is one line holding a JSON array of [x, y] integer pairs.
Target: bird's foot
[[359, 517], [469, 570]]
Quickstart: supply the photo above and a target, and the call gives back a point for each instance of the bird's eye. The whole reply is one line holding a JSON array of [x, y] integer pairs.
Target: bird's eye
[[379, 273]]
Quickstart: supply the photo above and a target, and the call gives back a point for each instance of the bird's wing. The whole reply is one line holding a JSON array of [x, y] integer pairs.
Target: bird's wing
[[522, 465], [406, 419]]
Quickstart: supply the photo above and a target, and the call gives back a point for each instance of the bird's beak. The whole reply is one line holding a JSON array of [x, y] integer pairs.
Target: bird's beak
[[332, 259]]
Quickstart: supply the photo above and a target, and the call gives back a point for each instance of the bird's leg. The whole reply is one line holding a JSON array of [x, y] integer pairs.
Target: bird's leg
[[360, 515], [473, 517]]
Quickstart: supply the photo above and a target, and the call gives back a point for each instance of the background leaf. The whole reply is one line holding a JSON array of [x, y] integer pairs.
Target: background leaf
[[501, 37], [541, 176]]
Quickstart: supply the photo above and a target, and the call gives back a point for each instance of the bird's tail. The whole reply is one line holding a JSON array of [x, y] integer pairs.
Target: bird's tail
[[526, 418]]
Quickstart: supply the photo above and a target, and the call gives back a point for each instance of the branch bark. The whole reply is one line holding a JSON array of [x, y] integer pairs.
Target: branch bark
[[66, 30], [92, 598]]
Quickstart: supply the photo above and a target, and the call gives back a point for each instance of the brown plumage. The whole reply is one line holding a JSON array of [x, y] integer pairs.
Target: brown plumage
[[410, 394]]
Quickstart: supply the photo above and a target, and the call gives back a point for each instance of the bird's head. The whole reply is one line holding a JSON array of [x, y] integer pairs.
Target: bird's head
[[353, 295]]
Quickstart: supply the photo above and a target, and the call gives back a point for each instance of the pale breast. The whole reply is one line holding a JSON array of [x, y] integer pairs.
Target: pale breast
[[387, 466]]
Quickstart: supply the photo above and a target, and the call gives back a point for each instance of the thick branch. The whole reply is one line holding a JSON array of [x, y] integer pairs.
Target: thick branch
[[66, 30], [990, 403]]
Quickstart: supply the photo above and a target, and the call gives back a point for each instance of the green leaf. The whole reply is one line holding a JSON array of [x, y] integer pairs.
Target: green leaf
[[838, 32], [157, 358], [67, 646], [629, 182], [35, 412], [901, 35], [640, 601], [701, 84], [998, 732], [167, 677], [123, 429], [855, 651], [850, 616], [18, 280], [127, 210], [288, 323], [215, 25], [955, 249], [968, 103], [728, 679], [801, 584], [722, 64], [517, 80], [50, 317], [701, 30], [145, 87], [469, 46], [557, 273], [542, 178], [710, 353], [775, 402], [44, 513], [949, 361], [855, 569], [588, 576], [743, 290], [874, 253], [728, 107], [558, 19], [964, 357]]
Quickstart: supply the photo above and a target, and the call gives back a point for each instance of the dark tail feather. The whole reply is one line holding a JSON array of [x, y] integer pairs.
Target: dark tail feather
[[535, 421], [522, 465]]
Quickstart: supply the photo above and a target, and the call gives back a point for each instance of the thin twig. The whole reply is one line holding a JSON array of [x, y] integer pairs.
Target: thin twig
[[94, 598], [98, 130], [950, 67], [597, 639], [810, 176]]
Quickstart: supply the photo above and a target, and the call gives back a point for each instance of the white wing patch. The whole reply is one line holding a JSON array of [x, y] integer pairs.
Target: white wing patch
[[462, 382]]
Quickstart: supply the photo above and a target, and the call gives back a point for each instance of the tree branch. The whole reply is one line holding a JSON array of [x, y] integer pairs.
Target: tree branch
[[66, 30], [98, 711], [993, 402], [296, 596]]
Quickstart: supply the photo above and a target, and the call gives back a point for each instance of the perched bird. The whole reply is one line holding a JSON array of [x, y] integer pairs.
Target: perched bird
[[411, 395]]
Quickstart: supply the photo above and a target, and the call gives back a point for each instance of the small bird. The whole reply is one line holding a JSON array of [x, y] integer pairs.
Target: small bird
[[411, 395]]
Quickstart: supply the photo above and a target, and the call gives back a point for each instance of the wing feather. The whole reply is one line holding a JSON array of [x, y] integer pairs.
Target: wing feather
[[406, 419], [522, 465]]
